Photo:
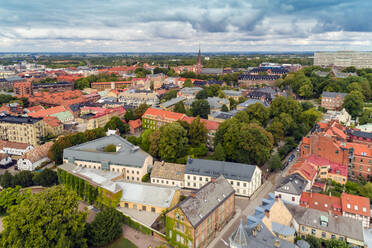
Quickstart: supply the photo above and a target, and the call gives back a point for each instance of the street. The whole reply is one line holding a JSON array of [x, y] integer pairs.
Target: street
[[245, 207]]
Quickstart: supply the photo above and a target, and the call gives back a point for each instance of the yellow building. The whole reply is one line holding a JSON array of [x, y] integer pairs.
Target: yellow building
[[22, 129]]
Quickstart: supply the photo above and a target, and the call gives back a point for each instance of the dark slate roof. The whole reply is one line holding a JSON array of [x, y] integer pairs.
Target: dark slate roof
[[198, 207], [199, 83], [292, 184], [128, 155], [213, 168], [361, 134], [273, 70], [212, 71], [340, 225], [258, 77], [213, 81], [333, 94], [19, 119]]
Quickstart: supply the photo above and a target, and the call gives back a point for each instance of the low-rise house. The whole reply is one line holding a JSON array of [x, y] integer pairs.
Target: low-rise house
[[216, 103], [34, 158], [138, 97], [356, 207], [328, 170], [332, 100], [322, 202], [326, 226], [14, 148], [291, 188], [94, 117], [244, 178], [168, 174], [5, 160], [306, 169], [189, 92], [155, 118], [244, 105], [220, 116], [194, 222], [135, 126], [128, 159], [341, 116], [233, 94], [169, 105]]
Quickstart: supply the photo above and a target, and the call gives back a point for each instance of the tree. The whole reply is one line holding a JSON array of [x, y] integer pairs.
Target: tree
[[106, 227], [334, 243], [197, 133], [45, 178], [306, 90], [201, 108], [275, 162], [353, 103], [110, 148], [306, 105], [285, 105], [129, 115], [115, 123], [10, 197], [233, 103], [144, 138], [310, 117], [173, 141], [34, 223], [202, 94], [179, 108], [7, 180], [188, 83], [224, 108], [277, 130], [154, 139], [140, 110], [219, 153], [354, 87], [366, 117], [170, 94], [23, 179], [259, 113], [244, 142]]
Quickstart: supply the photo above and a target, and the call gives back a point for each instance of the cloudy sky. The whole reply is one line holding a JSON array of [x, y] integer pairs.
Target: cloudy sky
[[180, 25]]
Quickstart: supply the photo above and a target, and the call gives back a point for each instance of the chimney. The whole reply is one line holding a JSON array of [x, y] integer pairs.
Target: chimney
[[330, 193], [311, 194], [213, 179], [193, 194], [267, 213], [277, 243]]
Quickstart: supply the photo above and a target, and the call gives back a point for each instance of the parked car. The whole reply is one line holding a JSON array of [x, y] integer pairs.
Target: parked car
[[284, 166], [291, 158]]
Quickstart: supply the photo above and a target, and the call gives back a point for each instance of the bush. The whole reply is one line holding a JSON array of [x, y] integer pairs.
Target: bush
[[146, 178], [110, 148]]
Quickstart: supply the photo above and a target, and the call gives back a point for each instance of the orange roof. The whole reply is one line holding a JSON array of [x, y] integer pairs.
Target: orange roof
[[355, 204], [334, 167], [47, 112], [52, 121], [135, 123], [360, 148], [15, 145], [321, 202], [305, 169], [162, 114], [38, 153], [323, 125], [209, 125], [306, 140], [35, 108]]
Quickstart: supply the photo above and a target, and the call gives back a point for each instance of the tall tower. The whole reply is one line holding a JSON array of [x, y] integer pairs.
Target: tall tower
[[199, 64]]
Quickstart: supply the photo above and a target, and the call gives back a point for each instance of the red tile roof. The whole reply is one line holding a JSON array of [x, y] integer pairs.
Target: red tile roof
[[47, 112], [209, 125], [321, 202], [355, 204], [135, 123], [35, 108], [305, 169], [306, 140], [162, 114], [360, 148], [38, 153], [320, 161], [52, 121], [15, 145]]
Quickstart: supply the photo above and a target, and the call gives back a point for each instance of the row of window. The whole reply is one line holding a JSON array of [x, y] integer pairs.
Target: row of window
[[324, 234], [162, 181], [144, 208], [207, 179]]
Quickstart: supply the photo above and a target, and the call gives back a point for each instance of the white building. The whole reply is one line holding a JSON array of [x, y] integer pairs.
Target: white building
[[34, 158], [14, 148], [291, 188], [244, 178], [344, 59], [4, 160], [168, 174]]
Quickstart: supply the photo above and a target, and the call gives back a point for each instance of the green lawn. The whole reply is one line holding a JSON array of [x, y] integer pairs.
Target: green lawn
[[121, 243]]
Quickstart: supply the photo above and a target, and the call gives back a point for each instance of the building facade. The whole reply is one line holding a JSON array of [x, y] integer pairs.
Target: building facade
[[332, 100], [194, 222], [22, 129], [344, 59], [129, 160], [245, 179], [168, 174]]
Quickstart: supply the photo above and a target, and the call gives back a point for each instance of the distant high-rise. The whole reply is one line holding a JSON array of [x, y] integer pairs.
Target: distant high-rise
[[344, 59]]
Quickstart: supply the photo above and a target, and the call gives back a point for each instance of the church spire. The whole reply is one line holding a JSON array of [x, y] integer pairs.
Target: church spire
[[199, 65]]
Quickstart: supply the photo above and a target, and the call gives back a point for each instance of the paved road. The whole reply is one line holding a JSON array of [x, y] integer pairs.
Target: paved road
[[248, 206]]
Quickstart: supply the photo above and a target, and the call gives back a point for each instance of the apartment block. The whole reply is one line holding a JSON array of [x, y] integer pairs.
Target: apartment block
[[344, 59], [195, 221], [332, 100], [22, 129]]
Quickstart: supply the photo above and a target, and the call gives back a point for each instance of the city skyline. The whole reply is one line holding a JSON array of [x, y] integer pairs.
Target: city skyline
[[165, 26]]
